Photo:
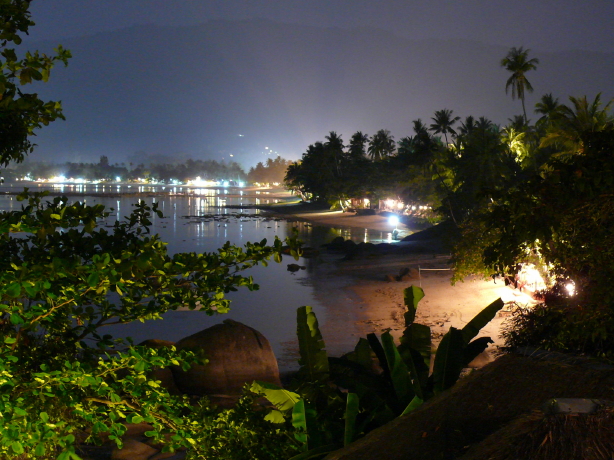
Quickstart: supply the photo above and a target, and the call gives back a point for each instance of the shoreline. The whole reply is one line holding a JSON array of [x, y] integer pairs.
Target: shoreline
[[358, 295], [374, 303]]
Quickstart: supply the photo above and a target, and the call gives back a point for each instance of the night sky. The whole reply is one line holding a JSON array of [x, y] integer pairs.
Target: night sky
[[131, 90]]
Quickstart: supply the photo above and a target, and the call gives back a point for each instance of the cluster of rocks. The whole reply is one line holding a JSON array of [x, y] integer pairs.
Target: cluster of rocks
[[237, 354]]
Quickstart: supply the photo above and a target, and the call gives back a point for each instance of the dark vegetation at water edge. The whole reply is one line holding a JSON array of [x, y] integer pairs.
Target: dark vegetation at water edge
[[272, 171], [542, 192]]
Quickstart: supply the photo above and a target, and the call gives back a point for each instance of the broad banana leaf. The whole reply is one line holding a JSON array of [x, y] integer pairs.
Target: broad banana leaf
[[314, 360], [362, 353], [413, 405], [413, 295], [304, 420], [284, 400], [299, 421], [275, 416], [377, 348], [351, 411], [418, 372], [448, 360], [472, 328], [399, 372], [475, 348], [417, 337]]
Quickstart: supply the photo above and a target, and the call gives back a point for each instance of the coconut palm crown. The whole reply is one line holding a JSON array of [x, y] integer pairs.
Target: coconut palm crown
[[443, 121], [518, 63]]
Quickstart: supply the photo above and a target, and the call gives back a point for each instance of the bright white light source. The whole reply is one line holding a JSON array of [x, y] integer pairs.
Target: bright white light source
[[570, 288], [530, 279], [393, 220]]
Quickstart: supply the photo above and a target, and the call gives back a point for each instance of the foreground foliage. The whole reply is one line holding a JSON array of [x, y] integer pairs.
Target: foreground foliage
[[333, 401], [62, 279]]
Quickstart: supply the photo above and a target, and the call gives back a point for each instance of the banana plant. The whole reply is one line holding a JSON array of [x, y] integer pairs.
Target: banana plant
[[308, 411], [335, 400], [405, 368]]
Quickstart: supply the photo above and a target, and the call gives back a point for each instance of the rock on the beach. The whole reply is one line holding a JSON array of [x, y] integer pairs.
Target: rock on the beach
[[237, 354], [337, 242]]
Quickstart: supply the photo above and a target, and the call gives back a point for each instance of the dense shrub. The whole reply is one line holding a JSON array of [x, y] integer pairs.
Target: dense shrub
[[243, 433], [579, 329]]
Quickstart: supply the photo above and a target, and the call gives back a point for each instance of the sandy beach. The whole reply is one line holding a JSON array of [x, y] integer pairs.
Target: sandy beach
[[372, 303]]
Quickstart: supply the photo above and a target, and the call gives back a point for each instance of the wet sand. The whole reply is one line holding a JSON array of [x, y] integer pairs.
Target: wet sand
[[364, 301]]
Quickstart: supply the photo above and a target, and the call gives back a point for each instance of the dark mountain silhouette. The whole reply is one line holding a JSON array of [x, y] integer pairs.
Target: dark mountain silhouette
[[193, 90]]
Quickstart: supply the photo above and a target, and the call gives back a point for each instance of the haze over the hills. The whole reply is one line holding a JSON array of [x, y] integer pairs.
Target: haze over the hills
[[236, 87]]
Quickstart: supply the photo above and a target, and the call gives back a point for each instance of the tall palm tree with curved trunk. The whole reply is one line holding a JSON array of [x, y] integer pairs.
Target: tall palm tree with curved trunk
[[443, 121], [518, 63]]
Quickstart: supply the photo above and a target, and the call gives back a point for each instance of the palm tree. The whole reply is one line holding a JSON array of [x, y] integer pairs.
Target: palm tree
[[518, 63], [381, 145], [420, 128], [548, 107], [443, 122], [519, 123], [405, 147], [356, 147], [570, 125], [467, 126], [334, 141], [333, 147], [484, 124], [514, 138]]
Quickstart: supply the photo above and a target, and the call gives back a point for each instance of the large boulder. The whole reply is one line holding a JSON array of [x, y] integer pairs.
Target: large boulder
[[237, 355]]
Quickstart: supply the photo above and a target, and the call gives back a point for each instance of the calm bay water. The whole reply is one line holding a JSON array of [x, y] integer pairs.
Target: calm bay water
[[188, 226]]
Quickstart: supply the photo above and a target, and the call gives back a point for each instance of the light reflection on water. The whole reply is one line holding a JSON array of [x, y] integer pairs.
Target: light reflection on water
[[194, 224]]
